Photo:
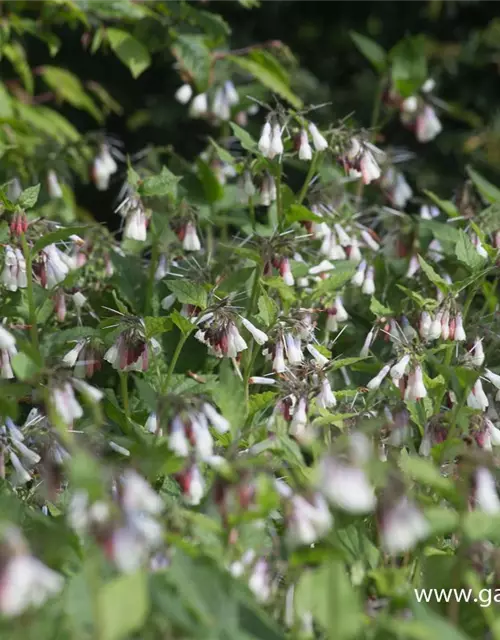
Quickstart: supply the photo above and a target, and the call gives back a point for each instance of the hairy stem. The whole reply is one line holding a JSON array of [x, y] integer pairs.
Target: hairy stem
[[175, 357]]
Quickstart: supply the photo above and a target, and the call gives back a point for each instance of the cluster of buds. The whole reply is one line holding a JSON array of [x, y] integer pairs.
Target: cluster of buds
[[442, 325], [136, 220], [7, 351], [14, 271], [128, 534], [218, 330], [25, 581], [103, 167], [131, 351], [270, 142], [21, 457], [364, 277], [188, 430], [19, 223], [53, 266], [84, 358], [396, 188], [302, 141], [359, 160]]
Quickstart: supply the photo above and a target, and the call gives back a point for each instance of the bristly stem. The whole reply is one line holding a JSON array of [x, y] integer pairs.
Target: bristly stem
[[30, 293], [308, 178]]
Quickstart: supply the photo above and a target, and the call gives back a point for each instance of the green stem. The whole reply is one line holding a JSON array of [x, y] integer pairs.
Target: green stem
[[30, 293], [124, 391], [307, 181], [155, 253], [251, 209], [279, 204], [175, 357]]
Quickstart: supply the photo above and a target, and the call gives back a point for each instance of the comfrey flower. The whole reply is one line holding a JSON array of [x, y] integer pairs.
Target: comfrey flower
[[379, 378], [189, 237], [14, 272], [396, 187], [326, 398], [103, 167], [184, 93], [267, 190], [361, 162], [65, 404], [131, 351], [25, 582], [427, 124], [192, 484], [220, 333], [7, 351], [55, 266], [476, 354], [309, 519], [477, 399], [53, 186], [276, 147], [415, 387], [319, 141], [346, 486], [359, 276], [369, 283], [402, 526], [136, 222], [259, 336], [21, 457], [199, 106], [484, 493], [84, 358], [305, 151]]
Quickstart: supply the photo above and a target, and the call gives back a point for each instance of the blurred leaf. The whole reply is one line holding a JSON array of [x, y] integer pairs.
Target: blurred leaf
[[247, 142], [268, 310], [378, 309], [434, 277], [335, 279], [157, 326], [298, 213], [185, 325], [56, 236], [371, 50], [409, 65], [211, 186], [489, 192], [230, 395], [130, 51], [16, 55], [68, 87], [445, 205], [24, 367], [164, 184], [123, 605]]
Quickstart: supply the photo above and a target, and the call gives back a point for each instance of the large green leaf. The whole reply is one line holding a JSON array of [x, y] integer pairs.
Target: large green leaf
[[409, 65], [371, 50], [131, 52], [123, 605], [68, 87], [194, 57]]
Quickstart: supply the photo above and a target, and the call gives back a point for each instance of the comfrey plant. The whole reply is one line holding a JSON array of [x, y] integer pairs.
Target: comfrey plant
[[266, 405]]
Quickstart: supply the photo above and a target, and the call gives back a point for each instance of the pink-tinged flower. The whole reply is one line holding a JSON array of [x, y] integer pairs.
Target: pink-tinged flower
[[353, 252], [131, 351], [184, 93], [279, 365], [190, 240], [427, 125], [137, 495], [424, 326], [319, 141], [60, 305], [286, 272], [19, 223], [415, 388], [361, 162], [477, 399], [436, 326], [476, 354], [65, 404], [309, 520], [192, 485], [346, 486], [299, 424], [103, 168], [459, 334], [55, 266], [445, 325], [276, 147], [305, 151], [259, 581], [402, 526], [14, 271], [484, 493]]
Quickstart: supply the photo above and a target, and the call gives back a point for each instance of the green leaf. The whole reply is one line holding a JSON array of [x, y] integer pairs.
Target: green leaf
[[223, 154], [265, 73], [29, 197], [211, 186], [445, 205], [185, 325], [16, 55], [56, 236], [489, 192], [467, 254], [327, 593], [298, 213], [68, 87], [268, 310], [285, 291], [378, 309], [164, 184], [336, 279], [147, 393], [479, 525], [230, 395], [130, 51], [157, 326], [188, 292], [409, 65], [424, 471], [247, 142], [194, 57], [122, 605], [345, 362], [434, 277], [24, 367], [371, 50]]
